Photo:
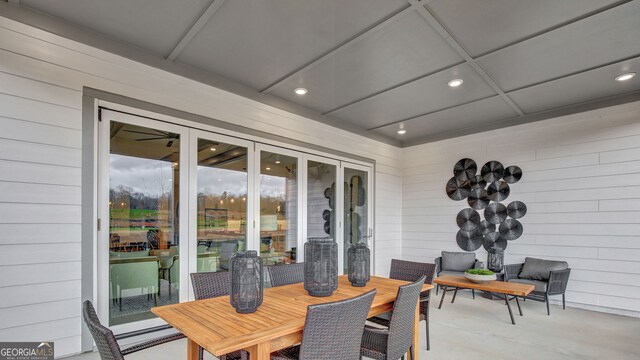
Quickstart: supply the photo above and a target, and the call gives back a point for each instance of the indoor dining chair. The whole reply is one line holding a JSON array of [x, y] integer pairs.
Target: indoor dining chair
[[286, 274]]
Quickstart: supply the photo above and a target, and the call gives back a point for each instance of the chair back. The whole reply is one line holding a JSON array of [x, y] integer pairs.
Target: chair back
[[209, 285], [402, 319], [558, 281], [412, 271], [105, 340], [286, 274], [335, 328]]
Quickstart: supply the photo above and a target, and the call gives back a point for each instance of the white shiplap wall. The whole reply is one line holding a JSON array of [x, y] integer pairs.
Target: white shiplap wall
[[581, 184], [41, 80]]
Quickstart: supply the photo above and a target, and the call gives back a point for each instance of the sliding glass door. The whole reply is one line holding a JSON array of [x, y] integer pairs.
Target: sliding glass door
[[140, 237], [357, 213], [221, 216]]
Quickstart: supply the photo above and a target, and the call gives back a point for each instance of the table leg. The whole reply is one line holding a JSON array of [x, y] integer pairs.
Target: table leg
[[454, 295], [192, 350], [519, 308], [260, 351], [413, 355], [506, 300], [444, 291]]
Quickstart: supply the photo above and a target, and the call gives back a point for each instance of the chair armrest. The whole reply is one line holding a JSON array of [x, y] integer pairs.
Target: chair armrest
[[438, 262], [151, 343], [512, 271], [558, 281], [478, 264], [376, 330]]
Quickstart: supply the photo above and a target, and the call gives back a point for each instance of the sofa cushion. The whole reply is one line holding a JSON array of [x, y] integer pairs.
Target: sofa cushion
[[458, 261], [454, 273], [541, 286], [538, 269]]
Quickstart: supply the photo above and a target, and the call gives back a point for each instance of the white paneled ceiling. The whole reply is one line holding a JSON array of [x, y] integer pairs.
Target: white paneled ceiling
[[373, 66]]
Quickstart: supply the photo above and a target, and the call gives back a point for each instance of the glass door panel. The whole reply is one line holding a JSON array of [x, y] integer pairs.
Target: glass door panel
[[322, 198], [278, 208], [356, 208], [222, 203], [141, 178]]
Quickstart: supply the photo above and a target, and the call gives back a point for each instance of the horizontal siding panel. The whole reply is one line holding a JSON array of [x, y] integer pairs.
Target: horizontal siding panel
[[46, 331], [39, 173], [600, 241], [630, 204], [39, 193], [562, 207], [38, 313], [620, 254], [39, 233], [595, 182], [39, 153], [620, 156], [39, 112], [36, 90], [631, 167], [25, 274], [590, 194], [11, 213], [40, 253], [583, 218], [40, 133], [558, 163], [584, 229], [590, 147], [39, 293]]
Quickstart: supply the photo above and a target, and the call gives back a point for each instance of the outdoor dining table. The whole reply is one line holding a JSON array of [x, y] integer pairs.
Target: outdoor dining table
[[278, 322]]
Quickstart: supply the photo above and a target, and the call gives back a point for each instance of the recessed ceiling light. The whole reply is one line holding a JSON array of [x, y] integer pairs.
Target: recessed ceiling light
[[219, 179], [625, 77], [213, 149], [277, 161], [268, 168], [300, 91], [455, 82], [402, 131]]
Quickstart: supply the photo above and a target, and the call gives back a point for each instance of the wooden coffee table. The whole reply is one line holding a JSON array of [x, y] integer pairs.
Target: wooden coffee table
[[496, 287]]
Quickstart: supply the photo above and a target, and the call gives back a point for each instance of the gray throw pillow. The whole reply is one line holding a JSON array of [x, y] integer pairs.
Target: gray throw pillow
[[538, 269], [457, 261]]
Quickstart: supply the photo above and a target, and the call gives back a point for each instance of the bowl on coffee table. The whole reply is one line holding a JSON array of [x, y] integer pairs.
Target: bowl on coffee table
[[480, 276]]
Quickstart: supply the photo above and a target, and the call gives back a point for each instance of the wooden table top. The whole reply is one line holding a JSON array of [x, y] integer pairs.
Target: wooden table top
[[509, 288], [216, 326]]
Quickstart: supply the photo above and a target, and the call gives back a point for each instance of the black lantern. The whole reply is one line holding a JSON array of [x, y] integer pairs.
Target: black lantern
[[246, 281], [495, 259], [320, 266], [359, 258]]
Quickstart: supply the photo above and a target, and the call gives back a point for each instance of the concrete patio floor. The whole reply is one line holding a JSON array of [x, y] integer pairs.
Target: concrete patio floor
[[481, 328]]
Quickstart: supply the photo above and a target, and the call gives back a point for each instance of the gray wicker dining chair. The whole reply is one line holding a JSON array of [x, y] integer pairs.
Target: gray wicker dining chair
[[411, 271], [207, 285], [395, 341], [286, 274], [106, 342], [331, 331]]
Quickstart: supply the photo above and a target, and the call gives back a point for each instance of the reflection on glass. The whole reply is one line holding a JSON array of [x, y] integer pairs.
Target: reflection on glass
[[321, 199], [143, 221], [222, 204], [356, 222], [278, 208]]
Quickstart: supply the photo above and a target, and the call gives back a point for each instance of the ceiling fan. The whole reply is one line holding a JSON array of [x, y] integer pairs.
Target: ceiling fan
[[159, 135]]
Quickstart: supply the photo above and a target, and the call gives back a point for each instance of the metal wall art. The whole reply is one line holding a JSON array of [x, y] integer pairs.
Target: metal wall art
[[485, 191]]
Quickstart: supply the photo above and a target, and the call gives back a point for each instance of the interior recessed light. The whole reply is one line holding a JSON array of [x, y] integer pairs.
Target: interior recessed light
[[300, 91], [455, 82], [213, 149], [625, 77], [268, 168], [277, 161], [219, 179], [402, 131]]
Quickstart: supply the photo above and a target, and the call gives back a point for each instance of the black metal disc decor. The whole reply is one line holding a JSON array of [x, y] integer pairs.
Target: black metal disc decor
[[510, 229], [486, 227], [478, 199], [468, 219], [492, 171], [495, 213], [485, 191], [494, 240], [469, 240], [458, 190], [516, 209], [512, 174], [465, 169], [498, 191], [477, 182]]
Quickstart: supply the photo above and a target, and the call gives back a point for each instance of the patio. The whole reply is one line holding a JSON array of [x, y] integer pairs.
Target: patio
[[481, 329]]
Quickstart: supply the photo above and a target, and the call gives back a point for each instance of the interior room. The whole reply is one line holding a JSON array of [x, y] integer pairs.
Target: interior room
[[337, 179]]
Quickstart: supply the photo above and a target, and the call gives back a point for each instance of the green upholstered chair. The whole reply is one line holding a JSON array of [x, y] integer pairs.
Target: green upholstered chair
[[207, 262], [134, 273]]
